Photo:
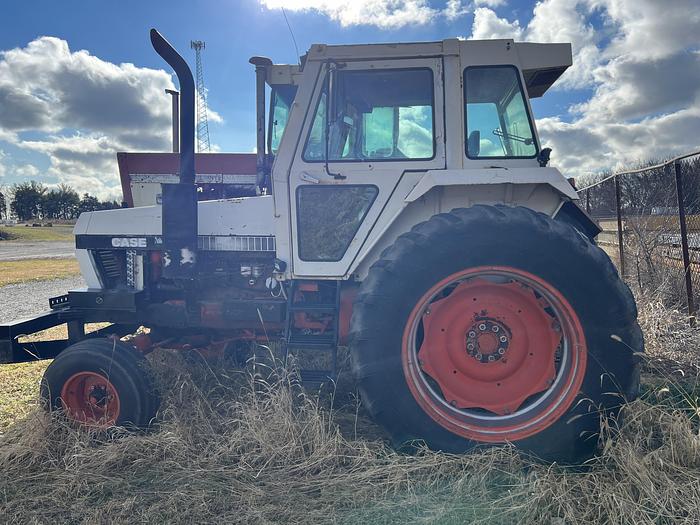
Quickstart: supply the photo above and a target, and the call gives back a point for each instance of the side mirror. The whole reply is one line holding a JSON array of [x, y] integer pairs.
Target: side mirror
[[543, 157]]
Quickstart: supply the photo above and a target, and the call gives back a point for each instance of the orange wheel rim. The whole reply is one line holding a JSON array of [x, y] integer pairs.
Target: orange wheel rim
[[494, 353], [91, 399]]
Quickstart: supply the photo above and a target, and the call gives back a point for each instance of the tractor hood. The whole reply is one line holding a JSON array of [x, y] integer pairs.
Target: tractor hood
[[222, 225]]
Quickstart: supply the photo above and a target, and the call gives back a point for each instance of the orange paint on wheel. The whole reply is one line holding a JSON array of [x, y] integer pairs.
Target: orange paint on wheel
[[91, 399], [494, 354]]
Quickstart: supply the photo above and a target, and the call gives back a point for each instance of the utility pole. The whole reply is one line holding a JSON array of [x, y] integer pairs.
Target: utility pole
[[202, 122]]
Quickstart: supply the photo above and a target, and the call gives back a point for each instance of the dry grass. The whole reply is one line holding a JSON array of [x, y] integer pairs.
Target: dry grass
[[12, 272], [233, 450], [19, 384], [57, 232]]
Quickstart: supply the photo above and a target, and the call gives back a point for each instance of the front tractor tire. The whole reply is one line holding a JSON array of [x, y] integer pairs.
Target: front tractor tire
[[495, 325], [101, 383]]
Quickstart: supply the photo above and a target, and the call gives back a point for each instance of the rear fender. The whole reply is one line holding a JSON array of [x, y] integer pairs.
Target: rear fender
[[439, 191], [573, 215], [473, 177]]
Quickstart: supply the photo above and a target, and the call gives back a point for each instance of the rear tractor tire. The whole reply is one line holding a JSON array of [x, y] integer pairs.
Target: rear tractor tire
[[491, 325], [101, 383]]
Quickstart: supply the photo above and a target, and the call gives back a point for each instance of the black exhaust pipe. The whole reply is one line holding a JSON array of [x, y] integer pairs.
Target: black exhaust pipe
[[180, 200]]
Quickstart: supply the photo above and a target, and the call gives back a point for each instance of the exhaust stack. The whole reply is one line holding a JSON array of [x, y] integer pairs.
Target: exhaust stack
[[180, 200]]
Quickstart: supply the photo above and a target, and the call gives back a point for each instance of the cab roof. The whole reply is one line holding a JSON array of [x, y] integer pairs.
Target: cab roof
[[541, 64]]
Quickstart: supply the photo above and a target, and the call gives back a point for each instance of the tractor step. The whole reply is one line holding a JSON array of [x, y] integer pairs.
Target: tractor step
[[330, 308], [316, 377], [311, 341], [313, 338], [315, 364]]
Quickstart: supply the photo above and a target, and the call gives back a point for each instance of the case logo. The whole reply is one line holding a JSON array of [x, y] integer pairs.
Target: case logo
[[129, 242]]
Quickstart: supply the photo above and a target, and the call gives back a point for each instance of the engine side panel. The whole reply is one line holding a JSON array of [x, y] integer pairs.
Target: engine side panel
[[249, 216]]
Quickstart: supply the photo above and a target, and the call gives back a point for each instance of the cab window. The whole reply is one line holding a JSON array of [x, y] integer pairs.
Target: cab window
[[497, 121], [280, 102], [379, 115]]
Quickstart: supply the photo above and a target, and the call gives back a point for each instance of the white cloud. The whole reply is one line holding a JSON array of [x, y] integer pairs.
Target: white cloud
[[487, 24], [380, 13], [490, 3], [581, 147], [80, 110], [385, 14], [651, 28], [630, 88], [456, 8], [52, 88], [25, 171]]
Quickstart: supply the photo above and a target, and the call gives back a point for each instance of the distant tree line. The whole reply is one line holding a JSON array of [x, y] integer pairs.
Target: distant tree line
[[34, 201]]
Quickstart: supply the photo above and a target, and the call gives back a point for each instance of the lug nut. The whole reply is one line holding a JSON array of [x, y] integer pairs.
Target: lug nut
[[472, 333], [495, 328], [501, 351], [482, 326], [470, 346], [503, 339]]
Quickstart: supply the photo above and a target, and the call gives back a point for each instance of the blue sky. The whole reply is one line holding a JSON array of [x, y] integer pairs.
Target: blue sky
[[69, 97]]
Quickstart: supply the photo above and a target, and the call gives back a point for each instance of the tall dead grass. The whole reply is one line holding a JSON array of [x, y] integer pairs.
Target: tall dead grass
[[232, 448]]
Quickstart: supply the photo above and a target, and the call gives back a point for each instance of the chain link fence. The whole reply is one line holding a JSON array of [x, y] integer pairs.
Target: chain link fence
[[650, 218]]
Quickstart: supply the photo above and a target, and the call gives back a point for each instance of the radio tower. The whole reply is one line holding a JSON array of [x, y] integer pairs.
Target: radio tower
[[202, 123]]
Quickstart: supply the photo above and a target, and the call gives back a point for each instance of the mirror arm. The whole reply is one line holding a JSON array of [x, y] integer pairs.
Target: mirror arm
[[330, 109]]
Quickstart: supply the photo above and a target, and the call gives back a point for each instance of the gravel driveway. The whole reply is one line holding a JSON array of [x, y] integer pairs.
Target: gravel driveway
[[23, 300], [15, 251]]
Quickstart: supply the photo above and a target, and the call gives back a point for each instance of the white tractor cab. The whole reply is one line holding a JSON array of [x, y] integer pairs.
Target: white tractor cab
[[403, 208]]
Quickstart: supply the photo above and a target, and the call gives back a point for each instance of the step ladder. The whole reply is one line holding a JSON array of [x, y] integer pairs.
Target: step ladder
[[316, 344]]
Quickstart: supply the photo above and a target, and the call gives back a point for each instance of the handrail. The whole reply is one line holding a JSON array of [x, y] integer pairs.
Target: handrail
[[640, 170]]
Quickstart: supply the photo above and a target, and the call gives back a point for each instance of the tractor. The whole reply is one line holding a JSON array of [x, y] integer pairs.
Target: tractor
[[400, 204]]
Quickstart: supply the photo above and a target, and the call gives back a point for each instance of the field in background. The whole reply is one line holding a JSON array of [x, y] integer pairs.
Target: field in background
[[57, 232], [19, 385], [12, 272]]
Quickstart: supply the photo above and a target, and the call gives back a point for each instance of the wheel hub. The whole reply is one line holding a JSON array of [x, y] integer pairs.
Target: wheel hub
[[487, 340], [510, 341], [91, 399]]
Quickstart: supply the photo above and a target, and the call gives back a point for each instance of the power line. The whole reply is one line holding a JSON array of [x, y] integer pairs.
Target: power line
[[203, 144]]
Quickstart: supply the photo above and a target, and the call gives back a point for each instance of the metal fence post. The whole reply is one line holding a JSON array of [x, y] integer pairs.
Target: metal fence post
[[620, 244], [684, 242], [588, 201]]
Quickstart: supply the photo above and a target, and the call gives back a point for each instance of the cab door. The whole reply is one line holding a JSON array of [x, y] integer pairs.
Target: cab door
[[372, 124]]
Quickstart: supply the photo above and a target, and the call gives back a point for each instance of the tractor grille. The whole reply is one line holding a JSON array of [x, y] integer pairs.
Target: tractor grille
[[237, 243], [111, 266]]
